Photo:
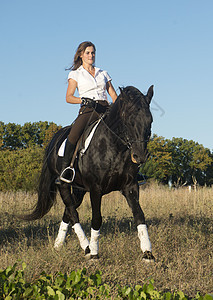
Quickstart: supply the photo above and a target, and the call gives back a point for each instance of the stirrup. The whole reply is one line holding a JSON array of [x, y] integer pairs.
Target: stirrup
[[65, 179]]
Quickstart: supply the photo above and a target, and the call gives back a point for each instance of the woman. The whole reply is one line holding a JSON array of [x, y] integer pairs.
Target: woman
[[92, 84]]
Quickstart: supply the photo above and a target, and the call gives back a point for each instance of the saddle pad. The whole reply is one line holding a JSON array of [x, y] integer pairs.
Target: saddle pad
[[62, 148], [89, 138], [86, 144]]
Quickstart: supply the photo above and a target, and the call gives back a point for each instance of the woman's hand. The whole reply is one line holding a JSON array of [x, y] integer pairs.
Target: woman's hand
[[90, 103]]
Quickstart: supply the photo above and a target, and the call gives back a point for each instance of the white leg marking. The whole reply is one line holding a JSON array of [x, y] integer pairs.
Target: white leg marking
[[81, 235], [144, 238], [61, 235], [94, 241]]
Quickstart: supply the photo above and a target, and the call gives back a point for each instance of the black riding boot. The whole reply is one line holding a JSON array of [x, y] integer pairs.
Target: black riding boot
[[68, 173]]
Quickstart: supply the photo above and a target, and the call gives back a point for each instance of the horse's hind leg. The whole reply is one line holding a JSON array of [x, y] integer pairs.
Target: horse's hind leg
[[131, 193], [62, 232], [71, 201]]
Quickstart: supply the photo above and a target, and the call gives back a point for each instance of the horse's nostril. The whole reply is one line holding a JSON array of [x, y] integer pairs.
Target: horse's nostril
[[134, 158]]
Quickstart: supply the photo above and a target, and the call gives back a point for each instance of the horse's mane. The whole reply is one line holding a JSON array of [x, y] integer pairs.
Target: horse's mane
[[128, 100]]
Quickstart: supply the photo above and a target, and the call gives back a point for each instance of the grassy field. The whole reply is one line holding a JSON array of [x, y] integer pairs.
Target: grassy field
[[180, 226]]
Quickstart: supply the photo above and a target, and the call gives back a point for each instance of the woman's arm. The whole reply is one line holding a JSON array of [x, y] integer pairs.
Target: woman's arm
[[111, 91], [70, 98]]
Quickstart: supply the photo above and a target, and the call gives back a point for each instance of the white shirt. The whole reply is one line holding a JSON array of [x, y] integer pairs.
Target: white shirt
[[89, 86]]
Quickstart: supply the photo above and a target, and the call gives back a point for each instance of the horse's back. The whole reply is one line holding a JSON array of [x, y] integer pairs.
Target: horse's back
[[58, 139]]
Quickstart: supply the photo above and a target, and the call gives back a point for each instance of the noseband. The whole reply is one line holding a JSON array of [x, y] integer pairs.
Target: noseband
[[129, 144]]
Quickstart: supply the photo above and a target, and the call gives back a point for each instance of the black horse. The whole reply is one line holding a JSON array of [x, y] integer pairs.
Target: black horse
[[110, 163]]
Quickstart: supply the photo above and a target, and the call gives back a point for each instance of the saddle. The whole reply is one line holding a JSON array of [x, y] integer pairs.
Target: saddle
[[84, 141]]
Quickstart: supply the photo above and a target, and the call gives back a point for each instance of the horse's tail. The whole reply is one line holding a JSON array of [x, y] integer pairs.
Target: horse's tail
[[47, 188], [46, 193]]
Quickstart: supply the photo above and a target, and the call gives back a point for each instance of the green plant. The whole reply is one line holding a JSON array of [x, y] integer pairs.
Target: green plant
[[76, 285]]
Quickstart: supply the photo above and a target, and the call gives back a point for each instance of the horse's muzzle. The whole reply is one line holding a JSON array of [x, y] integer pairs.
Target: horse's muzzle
[[136, 159]]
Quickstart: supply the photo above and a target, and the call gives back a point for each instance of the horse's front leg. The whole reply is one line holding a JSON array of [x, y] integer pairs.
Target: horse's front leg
[[95, 197], [131, 193], [71, 217]]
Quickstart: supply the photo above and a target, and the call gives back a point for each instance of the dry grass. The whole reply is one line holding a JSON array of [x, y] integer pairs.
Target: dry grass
[[180, 227]]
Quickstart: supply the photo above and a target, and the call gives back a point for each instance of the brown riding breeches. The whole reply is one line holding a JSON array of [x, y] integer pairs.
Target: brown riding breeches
[[85, 117]]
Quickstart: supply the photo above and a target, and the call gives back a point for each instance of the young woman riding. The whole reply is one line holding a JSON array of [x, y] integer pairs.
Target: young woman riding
[[92, 84]]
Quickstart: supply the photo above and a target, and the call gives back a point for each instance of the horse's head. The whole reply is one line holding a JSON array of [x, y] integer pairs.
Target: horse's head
[[137, 119]]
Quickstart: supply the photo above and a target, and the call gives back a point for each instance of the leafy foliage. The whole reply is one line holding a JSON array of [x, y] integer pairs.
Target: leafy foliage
[[14, 136], [21, 153], [20, 169], [159, 164], [179, 159], [76, 285]]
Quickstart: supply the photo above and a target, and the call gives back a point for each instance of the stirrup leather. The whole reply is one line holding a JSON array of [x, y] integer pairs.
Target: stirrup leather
[[65, 179]]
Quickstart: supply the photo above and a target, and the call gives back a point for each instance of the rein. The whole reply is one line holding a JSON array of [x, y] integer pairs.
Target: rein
[[126, 141]]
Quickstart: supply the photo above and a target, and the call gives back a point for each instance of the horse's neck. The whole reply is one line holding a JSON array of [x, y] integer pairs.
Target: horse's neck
[[114, 122]]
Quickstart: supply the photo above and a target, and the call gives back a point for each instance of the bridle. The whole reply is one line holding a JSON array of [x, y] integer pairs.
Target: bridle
[[126, 140]]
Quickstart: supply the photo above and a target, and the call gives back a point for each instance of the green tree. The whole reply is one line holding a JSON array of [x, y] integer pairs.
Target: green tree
[[12, 136], [209, 172], [30, 134], [20, 169], [190, 161], [51, 130], [1, 133], [159, 164], [182, 160], [21, 153], [42, 129]]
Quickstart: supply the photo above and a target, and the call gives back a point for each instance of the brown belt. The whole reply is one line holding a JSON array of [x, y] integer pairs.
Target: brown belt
[[102, 102]]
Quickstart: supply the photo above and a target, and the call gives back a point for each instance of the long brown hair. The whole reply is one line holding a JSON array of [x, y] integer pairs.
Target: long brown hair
[[77, 62]]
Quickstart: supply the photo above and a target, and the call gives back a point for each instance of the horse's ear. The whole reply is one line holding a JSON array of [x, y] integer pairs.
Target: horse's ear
[[122, 93], [150, 94]]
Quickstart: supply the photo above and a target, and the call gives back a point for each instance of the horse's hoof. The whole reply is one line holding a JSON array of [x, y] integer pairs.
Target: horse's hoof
[[58, 246], [87, 253], [96, 256], [87, 250], [91, 257], [148, 256]]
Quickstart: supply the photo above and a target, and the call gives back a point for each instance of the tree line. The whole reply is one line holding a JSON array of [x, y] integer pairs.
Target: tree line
[[14, 136], [22, 148], [21, 153], [180, 161]]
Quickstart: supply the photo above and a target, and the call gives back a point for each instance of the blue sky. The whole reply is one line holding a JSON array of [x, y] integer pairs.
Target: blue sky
[[167, 43]]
